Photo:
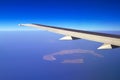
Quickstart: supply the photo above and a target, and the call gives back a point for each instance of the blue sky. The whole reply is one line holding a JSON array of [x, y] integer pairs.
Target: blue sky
[[80, 14]]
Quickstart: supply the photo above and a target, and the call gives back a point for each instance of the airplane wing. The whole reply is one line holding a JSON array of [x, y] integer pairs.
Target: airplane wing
[[109, 41]]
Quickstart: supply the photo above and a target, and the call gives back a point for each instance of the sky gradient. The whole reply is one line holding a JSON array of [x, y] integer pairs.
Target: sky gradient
[[39, 55], [79, 14]]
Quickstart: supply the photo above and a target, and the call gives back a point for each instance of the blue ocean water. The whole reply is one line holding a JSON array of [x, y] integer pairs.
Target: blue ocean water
[[21, 58]]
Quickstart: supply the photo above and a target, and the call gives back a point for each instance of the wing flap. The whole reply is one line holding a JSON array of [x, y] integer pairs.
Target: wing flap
[[108, 46], [69, 38]]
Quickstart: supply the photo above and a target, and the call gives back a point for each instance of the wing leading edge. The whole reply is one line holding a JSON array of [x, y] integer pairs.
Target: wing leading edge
[[109, 41]]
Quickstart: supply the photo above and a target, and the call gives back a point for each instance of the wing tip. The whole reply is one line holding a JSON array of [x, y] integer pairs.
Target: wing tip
[[25, 24]]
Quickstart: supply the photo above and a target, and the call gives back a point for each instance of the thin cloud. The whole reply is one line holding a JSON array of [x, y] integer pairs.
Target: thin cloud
[[74, 51], [73, 61], [51, 57]]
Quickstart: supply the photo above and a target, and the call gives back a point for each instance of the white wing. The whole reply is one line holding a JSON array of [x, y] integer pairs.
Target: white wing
[[109, 40]]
